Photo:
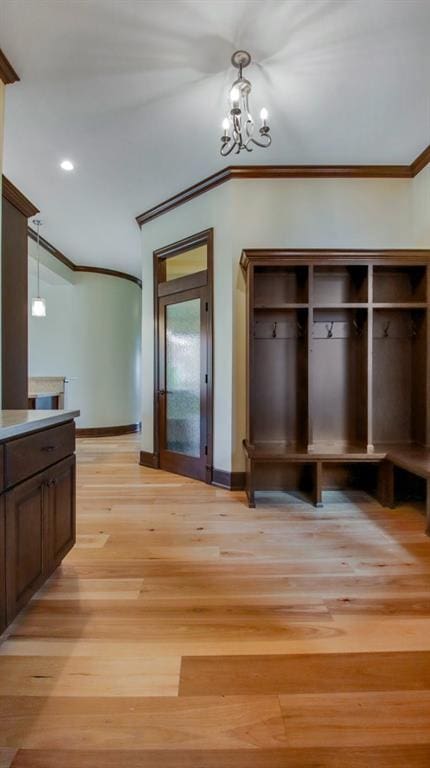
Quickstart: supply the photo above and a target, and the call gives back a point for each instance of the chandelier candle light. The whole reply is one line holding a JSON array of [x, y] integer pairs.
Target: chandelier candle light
[[38, 305], [239, 125]]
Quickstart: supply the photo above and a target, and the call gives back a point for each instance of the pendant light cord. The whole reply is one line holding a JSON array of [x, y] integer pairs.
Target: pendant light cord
[[37, 222]]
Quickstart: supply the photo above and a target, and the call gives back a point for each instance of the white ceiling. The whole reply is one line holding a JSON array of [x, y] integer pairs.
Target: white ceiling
[[134, 93]]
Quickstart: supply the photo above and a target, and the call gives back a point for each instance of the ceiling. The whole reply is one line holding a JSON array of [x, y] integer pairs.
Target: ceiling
[[134, 93]]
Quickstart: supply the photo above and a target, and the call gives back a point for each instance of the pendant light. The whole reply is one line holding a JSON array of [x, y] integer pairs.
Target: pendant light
[[38, 305]]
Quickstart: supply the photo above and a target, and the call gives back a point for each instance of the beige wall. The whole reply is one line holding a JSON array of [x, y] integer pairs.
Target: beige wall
[[421, 202], [91, 335], [313, 213]]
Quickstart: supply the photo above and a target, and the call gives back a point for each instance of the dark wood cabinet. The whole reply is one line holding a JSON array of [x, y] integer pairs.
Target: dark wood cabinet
[[338, 368], [2, 568], [37, 513], [26, 538], [61, 532]]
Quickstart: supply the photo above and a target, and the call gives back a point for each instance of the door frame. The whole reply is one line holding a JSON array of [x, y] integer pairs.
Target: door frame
[[163, 288]]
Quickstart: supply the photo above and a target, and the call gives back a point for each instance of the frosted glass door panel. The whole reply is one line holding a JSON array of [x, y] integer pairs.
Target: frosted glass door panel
[[183, 377]]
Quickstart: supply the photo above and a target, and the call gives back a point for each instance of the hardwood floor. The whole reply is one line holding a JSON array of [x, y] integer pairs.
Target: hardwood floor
[[188, 631]]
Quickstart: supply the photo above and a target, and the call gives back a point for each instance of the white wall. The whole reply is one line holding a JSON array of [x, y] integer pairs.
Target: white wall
[[292, 213], [91, 332]]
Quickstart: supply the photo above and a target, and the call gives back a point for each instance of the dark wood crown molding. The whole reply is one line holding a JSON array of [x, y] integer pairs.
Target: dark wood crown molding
[[17, 199], [51, 249], [182, 197], [7, 72], [420, 162], [334, 255], [286, 172], [81, 267]]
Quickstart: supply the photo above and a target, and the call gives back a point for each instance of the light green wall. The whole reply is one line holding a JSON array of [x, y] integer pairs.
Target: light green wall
[[92, 334], [312, 213]]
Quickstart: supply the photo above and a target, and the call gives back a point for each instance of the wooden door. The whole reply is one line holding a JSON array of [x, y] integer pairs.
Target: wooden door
[[26, 521], [2, 568], [183, 413], [61, 533]]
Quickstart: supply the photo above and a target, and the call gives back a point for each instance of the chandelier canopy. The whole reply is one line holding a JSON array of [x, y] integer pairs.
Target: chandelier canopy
[[239, 125]]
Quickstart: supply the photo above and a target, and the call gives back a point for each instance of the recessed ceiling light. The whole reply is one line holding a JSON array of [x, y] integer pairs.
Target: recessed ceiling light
[[67, 165]]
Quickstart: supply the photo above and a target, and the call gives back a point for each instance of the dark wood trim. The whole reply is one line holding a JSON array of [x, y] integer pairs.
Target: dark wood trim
[[334, 255], [204, 237], [51, 249], [421, 161], [123, 429], [275, 172], [233, 481], [111, 272], [180, 284], [182, 197], [80, 267], [181, 246], [151, 460], [14, 315], [7, 72], [17, 199], [286, 172]]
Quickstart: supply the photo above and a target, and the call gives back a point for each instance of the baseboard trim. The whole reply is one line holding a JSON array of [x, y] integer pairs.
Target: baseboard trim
[[232, 481], [150, 460], [123, 429]]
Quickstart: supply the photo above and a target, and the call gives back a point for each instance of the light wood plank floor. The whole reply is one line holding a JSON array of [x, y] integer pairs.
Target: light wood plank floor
[[188, 631]]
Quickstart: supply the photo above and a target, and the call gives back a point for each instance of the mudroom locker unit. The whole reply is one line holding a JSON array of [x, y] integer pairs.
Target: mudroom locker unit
[[338, 370]]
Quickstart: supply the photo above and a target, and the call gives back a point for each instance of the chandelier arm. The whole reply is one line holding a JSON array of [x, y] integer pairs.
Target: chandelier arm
[[265, 144], [226, 149]]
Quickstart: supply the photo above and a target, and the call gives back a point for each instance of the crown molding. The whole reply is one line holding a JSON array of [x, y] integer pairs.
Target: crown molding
[[420, 162], [335, 255], [7, 72], [80, 267], [286, 172], [12, 194]]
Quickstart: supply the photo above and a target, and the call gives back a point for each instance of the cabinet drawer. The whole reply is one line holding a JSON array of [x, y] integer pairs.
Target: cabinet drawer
[[32, 453]]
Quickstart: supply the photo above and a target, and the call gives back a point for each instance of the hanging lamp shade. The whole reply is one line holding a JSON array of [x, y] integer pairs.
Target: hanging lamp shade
[[38, 307]]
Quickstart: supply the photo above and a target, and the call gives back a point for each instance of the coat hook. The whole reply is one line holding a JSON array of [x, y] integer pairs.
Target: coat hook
[[274, 330], [358, 329], [413, 329], [300, 330], [329, 329], [386, 329]]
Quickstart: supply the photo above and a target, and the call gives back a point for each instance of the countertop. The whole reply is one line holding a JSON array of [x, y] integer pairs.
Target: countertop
[[17, 423]]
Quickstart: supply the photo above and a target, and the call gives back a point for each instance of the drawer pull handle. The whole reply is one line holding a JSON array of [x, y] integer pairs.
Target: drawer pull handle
[[48, 448]]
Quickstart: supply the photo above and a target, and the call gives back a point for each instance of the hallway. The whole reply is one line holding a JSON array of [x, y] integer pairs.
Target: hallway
[[185, 630]]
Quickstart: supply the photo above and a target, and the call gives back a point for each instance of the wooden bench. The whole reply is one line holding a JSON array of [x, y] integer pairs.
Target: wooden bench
[[413, 458]]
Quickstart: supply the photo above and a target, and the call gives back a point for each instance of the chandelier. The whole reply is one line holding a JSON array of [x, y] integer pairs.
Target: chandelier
[[239, 125]]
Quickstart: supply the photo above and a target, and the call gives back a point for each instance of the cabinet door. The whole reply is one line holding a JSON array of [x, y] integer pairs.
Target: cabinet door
[[2, 568], [26, 520], [61, 533]]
